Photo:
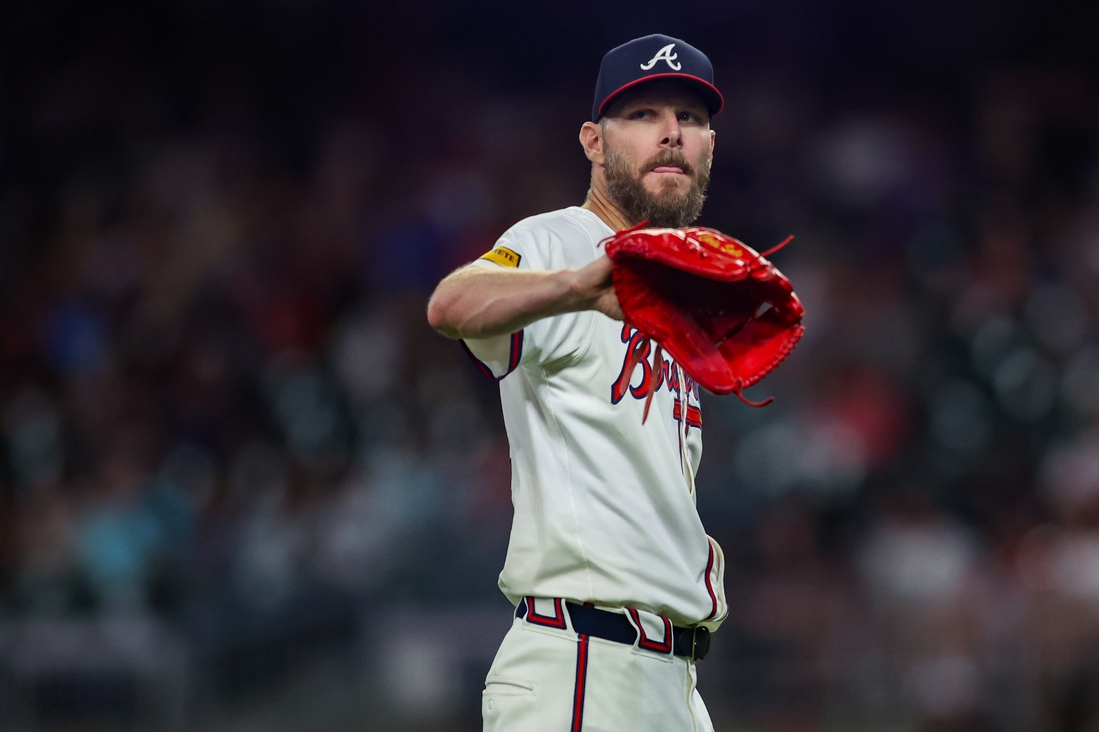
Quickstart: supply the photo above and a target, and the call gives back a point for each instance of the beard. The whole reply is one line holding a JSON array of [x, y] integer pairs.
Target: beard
[[665, 209]]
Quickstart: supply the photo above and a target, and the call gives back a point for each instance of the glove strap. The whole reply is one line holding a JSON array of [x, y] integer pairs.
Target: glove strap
[[654, 381]]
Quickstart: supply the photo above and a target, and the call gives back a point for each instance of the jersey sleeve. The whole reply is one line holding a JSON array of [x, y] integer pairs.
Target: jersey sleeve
[[545, 341]]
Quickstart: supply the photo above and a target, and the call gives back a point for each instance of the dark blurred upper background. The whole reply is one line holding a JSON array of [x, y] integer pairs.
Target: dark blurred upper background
[[243, 485]]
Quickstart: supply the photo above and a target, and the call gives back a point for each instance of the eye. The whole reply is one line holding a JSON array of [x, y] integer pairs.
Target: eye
[[689, 117], [639, 114]]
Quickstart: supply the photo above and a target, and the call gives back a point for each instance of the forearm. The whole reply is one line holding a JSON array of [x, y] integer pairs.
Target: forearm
[[480, 302]]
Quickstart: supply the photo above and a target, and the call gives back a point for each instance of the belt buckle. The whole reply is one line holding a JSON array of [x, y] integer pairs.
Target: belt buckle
[[700, 643]]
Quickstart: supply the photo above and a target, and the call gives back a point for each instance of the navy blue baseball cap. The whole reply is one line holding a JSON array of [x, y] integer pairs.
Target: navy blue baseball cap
[[654, 57]]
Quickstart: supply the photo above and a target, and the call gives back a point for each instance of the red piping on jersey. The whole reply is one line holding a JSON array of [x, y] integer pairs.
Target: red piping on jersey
[[709, 585], [514, 355], [558, 619], [516, 351], [644, 642]]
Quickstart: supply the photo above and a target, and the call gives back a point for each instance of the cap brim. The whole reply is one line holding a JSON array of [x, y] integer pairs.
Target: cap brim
[[710, 94]]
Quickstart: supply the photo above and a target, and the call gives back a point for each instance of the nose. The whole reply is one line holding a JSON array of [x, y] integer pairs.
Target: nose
[[673, 132]]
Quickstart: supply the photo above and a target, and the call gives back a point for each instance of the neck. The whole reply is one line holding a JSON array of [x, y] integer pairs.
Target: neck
[[600, 204]]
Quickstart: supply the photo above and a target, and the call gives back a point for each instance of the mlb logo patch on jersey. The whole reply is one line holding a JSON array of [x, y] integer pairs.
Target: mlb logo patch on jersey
[[503, 257]]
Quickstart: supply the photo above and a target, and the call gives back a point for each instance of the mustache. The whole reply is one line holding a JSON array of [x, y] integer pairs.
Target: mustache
[[671, 158]]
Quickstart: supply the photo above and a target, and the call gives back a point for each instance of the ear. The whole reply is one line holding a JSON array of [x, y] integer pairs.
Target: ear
[[713, 137], [591, 139]]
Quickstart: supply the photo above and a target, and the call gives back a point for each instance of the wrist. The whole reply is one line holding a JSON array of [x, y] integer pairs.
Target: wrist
[[577, 294]]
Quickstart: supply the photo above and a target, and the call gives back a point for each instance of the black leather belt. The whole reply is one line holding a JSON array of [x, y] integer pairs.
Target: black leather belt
[[690, 643]]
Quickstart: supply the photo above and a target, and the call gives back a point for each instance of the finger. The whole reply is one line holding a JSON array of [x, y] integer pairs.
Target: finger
[[611, 307]]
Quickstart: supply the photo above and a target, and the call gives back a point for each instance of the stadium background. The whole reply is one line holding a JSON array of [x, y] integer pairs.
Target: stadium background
[[244, 486]]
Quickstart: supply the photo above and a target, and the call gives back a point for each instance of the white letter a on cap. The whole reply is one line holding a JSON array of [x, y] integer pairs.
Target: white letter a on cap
[[665, 54]]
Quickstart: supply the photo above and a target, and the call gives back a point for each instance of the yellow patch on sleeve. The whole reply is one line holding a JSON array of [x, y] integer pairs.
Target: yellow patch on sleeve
[[503, 257]]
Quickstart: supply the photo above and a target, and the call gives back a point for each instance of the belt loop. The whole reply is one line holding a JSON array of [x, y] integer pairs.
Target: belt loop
[[667, 645], [700, 647], [557, 620]]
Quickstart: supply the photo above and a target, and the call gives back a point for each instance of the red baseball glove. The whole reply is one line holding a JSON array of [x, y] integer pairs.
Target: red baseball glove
[[720, 309]]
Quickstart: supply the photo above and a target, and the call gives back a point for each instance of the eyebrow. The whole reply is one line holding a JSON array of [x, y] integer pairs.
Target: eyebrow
[[691, 106]]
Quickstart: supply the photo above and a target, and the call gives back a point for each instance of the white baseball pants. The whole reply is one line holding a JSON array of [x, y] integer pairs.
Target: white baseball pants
[[551, 680]]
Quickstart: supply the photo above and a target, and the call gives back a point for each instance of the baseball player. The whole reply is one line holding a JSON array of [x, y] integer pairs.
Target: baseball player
[[615, 582]]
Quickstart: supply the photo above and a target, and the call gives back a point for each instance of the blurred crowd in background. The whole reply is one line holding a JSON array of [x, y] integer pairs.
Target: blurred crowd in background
[[243, 483]]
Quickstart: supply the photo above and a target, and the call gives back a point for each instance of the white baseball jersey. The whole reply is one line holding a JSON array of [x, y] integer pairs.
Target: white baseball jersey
[[604, 505]]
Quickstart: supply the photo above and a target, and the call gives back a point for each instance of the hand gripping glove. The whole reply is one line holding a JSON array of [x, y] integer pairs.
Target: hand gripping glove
[[724, 312]]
